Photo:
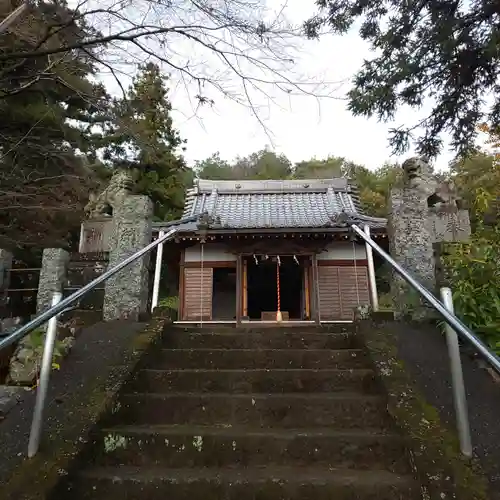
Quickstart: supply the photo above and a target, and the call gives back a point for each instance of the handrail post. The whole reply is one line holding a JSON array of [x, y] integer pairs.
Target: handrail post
[[156, 282], [43, 385], [457, 379], [371, 272]]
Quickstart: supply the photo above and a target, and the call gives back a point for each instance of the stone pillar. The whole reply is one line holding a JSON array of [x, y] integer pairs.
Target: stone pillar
[[5, 266], [52, 276], [411, 241], [126, 293]]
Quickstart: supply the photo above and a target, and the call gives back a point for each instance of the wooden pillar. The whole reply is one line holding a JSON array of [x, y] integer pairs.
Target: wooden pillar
[[307, 290], [245, 289], [315, 290], [180, 314], [239, 288]]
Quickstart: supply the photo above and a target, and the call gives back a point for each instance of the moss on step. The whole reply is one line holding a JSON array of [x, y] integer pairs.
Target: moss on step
[[434, 450], [34, 479]]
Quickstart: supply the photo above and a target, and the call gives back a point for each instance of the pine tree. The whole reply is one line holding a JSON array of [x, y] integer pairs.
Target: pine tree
[[141, 137], [44, 183]]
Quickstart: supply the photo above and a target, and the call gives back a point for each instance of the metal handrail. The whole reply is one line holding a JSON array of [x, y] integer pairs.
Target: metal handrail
[[452, 326], [465, 332], [61, 306]]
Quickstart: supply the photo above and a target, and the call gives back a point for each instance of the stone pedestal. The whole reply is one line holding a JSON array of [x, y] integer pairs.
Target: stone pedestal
[[411, 245], [52, 276], [126, 293]]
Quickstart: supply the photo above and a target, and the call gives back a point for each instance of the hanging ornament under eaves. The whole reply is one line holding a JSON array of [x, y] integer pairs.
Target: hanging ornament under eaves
[[279, 316]]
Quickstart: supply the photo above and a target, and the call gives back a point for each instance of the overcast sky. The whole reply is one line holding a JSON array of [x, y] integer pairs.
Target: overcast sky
[[301, 127]]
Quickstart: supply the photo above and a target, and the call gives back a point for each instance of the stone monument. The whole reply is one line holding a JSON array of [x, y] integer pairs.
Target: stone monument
[[97, 229], [423, 213], [126, 293], [105, 202], [119, 224], [410, 237], [450, 225], [448, 216]]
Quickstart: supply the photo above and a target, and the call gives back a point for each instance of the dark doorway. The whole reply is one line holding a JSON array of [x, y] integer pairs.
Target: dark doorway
[[224, 294], [262, 286]]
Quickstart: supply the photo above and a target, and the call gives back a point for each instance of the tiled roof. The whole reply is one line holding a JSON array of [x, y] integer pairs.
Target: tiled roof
[[280, 204]]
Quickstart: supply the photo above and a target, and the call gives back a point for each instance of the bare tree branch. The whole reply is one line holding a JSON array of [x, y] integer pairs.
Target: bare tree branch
[[204, 40], [237, 49]]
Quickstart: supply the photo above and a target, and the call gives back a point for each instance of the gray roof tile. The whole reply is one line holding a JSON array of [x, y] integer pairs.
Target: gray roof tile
[[313, 203]]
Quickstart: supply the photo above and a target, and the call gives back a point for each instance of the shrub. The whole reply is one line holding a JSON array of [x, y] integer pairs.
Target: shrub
[[474, 272]]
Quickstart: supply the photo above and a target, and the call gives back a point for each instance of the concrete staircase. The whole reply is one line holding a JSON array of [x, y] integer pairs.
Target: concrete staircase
[[270, 414]]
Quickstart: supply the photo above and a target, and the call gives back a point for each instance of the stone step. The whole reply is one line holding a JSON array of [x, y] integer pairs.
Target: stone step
[[261, 340], [267, 329], [265, 483], [336, 410], [86, 316], [255, 381], [192, 446], [252, 358]]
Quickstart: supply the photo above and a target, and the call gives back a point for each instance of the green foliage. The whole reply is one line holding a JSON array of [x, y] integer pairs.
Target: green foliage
[[36, 341], [214, 168], [330, 167], [412, 303], [385, 302], [475, 277], [138, 134], [474, 175], [383, 276], [44, 183], [264, 164], [473, 267], [445, 53], [170, 302], [476, 287], [374, 186]]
